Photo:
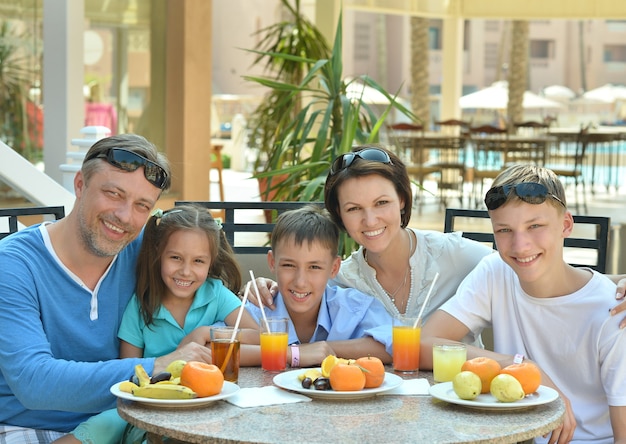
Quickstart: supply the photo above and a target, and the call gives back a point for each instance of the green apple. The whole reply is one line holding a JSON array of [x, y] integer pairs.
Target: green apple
[[467, 385]]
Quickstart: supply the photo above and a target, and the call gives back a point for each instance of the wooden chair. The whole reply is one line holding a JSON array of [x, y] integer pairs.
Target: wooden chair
[[247, 229], [568, 160], [590, 236], [14, 215], [490, 153], [408, 139]]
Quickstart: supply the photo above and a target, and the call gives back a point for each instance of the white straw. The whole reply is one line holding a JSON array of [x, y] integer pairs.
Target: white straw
[[419, 316], [258, 296], [243, 303]]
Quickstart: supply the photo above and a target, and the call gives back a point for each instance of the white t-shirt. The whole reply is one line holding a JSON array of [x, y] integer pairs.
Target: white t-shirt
[[573, 338]]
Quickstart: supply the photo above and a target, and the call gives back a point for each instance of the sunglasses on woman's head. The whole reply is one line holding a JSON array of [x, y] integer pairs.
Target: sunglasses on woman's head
[[529, 192], [129, 161], [345, 160]]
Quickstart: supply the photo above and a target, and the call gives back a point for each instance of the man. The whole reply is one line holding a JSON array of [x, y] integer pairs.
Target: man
[[63, 289]]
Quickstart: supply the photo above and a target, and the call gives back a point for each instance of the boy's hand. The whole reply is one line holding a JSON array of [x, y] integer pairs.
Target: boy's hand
[[619, 296], [313, 353], [268, 289], [565, 432]]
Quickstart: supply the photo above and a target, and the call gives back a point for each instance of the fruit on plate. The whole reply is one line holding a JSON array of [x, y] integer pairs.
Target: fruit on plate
[[309, 376], [485, 368], [176, 367], [347, 377], [374, 370], [204, 379], [505, 388], [164, 391], [142, 377], [527, 373], [467, 385]]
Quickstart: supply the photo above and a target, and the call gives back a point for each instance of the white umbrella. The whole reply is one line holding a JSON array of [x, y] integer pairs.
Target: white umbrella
[[356, 90], [607, 93], [558, 92], [496, 96]]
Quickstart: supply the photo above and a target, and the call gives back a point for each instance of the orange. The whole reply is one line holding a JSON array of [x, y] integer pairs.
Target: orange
[[485, 368], [204, 379], [374, 370], [347, 378], [527, 373]]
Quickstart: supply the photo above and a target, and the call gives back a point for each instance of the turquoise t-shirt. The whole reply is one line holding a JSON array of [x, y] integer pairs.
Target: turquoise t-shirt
[[211, 304]]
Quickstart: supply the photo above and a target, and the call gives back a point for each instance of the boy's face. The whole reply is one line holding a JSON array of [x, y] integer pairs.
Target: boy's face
[[302, 272], [530, 238]]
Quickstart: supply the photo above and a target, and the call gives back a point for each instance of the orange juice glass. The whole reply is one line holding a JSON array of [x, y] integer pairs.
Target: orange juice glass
[[274, 343], [406, 345]]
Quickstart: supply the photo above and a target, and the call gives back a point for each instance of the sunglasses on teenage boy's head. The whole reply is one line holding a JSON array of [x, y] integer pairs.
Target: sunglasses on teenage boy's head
[[529, 192], [129, 161], [345, 160]]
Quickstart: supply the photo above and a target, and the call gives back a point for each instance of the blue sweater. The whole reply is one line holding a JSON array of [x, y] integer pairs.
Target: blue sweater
[[57, 362]]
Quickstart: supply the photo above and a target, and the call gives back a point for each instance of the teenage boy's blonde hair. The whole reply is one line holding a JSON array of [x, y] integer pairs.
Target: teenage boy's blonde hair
[[517, 174], [309, 223]]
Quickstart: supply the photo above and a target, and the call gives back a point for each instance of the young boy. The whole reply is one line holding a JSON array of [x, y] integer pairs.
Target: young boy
[[324, 320], [541, 307]]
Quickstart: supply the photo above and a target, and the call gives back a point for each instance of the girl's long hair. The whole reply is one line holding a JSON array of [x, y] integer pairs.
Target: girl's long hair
[[159, 227]]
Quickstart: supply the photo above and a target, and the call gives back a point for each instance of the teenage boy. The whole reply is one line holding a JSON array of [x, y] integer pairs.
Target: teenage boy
[[324, 320], [542, 308]]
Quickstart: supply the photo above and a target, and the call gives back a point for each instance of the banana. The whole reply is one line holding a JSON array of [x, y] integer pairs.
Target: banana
[[142, 375], [311, 373], [164, 391], [127, 386]]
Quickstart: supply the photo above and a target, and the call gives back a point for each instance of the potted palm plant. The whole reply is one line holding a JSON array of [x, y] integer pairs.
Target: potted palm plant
[[308, 118]]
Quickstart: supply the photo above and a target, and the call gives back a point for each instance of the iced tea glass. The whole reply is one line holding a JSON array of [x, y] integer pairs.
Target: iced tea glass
[[220, 346]]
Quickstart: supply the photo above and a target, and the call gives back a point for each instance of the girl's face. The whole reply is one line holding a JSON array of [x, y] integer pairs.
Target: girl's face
[[370, 210], [185, 263]]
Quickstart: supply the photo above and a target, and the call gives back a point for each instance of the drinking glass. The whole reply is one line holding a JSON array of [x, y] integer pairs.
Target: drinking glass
[[274, 340], [447, 361], [220, 347], [406, 344]]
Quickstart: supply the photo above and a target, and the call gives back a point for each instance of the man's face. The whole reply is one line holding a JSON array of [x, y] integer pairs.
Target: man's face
[[302, 272], [113, 207]]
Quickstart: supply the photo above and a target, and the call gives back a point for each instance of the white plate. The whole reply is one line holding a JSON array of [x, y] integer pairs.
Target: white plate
[[289, 381], [228, 389], [445, 392]]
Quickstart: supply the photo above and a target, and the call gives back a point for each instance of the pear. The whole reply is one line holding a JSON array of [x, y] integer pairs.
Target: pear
[[467, 385], [176, 367], [505, 388]]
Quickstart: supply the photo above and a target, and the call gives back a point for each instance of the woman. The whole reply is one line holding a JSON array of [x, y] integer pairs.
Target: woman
[[368, 193]]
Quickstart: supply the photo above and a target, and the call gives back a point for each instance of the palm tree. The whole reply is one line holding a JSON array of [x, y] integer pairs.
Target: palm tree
[[419, 69], [517, 72]]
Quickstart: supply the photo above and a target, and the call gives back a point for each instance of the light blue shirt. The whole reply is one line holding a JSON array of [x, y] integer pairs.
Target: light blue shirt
[[211, 304], [345, 313]]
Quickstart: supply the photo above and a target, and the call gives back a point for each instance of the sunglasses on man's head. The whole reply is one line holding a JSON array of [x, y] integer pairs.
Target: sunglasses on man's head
[[345, 160], [529, 192], [129, 161]]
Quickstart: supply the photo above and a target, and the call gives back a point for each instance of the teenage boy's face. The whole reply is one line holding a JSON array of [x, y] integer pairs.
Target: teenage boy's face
[[530, 238], [302, 272]]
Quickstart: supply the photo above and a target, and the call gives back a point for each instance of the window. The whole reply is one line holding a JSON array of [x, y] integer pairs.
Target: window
[[615, 53], [542, 49]]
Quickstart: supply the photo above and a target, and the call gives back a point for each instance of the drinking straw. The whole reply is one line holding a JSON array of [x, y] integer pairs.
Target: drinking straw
[[258, 296], [232, 338], [419, 316]]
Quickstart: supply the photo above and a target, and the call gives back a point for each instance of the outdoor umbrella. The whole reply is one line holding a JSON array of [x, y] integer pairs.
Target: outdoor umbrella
[[607, 93], [496, 96], [558, 92]]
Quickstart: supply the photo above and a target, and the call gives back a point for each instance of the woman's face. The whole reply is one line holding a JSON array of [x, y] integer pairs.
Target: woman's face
[[369, 207]]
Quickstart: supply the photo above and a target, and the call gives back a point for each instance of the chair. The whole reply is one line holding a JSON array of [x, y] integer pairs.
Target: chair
[[567, 160], [408, 139], [490, 154], [13, 216], [247, 230], [451, 155], [586, 247]]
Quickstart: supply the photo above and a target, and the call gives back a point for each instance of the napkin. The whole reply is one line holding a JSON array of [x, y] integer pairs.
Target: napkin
[[260, 396], [410, 387]]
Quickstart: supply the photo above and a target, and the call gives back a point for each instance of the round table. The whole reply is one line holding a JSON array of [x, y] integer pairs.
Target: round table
[[378, 419]]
